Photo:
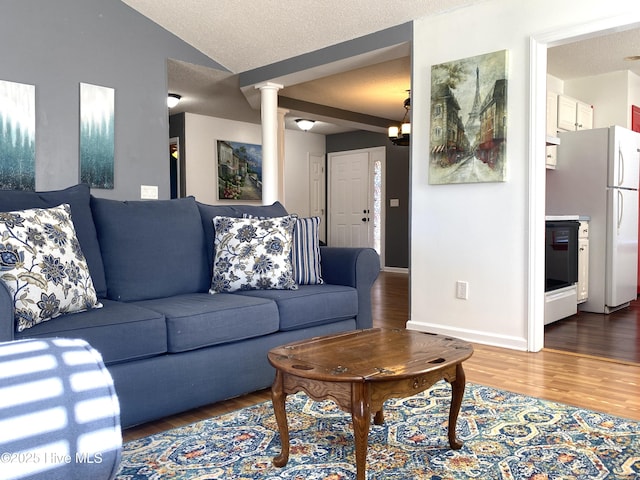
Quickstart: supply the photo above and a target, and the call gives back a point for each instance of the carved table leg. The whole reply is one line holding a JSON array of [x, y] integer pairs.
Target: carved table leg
[[457, 392], [278, 398], [361, 417], [379, 417]]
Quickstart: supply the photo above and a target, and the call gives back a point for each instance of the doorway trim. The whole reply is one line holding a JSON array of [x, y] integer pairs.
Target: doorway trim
[[538, 45]]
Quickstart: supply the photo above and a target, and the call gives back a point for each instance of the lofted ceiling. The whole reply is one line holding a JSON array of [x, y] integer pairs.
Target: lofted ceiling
[[247, 34]]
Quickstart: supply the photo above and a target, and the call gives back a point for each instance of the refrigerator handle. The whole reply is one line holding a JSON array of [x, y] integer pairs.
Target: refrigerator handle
[[620, 209], [620, 165]]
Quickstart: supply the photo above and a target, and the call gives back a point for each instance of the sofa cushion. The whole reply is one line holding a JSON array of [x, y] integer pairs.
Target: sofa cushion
[[311, 305], [119, 331], [201, 320], [252, 254], [42, 265], [207, 212], [151, 249], [78, 198]]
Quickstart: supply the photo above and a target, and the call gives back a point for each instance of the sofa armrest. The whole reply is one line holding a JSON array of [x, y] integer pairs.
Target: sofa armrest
[[353, 267], [6, 314]]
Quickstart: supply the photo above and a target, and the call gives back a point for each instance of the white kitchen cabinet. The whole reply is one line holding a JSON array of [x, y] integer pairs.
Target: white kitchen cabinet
[[584, 116], [582, 293], [574, 114], [552, 130], [552, 156]]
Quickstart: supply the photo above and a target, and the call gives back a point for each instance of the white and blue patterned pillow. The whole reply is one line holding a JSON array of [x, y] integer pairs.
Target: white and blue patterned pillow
[[43, 266], [306, 252], [251, 253]]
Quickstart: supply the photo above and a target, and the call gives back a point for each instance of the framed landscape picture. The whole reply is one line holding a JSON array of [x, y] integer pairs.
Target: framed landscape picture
[[17, 136], [97, 142], [468, 136], [239, 171]]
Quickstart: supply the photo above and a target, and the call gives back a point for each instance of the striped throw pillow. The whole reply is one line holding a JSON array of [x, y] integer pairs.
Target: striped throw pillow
[[305, 253]]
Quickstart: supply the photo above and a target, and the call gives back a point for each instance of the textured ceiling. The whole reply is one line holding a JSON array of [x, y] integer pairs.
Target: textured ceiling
[[595, 56], [246, 34]]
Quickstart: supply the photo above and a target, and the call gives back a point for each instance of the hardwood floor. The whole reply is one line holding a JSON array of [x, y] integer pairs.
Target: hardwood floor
[[571, 378], [615, 336]]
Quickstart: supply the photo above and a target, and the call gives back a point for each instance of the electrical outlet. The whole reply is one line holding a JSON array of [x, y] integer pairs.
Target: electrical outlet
[[462, 290]]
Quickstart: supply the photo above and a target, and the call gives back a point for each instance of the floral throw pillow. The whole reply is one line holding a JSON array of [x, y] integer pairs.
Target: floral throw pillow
[[252, 253], [43, 266], [305, 251]]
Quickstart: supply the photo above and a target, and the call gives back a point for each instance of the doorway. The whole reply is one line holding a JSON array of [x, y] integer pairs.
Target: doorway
[[355, 199], [537, 172], [174, 167]]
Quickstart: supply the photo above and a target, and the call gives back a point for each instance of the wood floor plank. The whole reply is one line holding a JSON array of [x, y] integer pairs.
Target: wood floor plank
[[614, 336], [583, 379]]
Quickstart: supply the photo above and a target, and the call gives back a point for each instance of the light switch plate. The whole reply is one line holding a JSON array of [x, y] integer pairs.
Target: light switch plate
[[149, 192]]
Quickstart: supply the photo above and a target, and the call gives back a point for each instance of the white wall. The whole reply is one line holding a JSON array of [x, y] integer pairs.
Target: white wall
[[201, 134], [554, 84], [480, 232], [609, 95], [298, 145]]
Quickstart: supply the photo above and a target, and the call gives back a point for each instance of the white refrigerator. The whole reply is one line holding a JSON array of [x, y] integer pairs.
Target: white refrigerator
[[597, 175]]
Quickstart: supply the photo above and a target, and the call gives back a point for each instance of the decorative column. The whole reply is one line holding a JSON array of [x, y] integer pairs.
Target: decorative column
[[269, 115], [282, 112]]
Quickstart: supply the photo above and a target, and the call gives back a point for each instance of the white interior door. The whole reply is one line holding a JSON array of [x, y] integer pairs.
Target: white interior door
[[350, 205], [317, 196]]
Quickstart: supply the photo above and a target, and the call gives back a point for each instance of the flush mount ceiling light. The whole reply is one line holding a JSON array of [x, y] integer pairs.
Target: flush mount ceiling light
[[304, 124], [173, 99], [400, 135]]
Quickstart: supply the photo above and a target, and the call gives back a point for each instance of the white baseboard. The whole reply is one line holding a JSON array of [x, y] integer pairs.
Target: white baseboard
[[474, 336], [395, 270]]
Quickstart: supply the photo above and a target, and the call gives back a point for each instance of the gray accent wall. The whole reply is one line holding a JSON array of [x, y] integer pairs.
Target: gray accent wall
[[56, 45], [397, 186]]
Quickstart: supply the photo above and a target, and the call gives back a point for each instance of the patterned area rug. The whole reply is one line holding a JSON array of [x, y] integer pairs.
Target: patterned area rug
[[506, 436]]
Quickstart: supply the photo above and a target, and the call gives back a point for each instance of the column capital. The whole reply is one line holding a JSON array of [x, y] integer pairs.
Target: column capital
[[269, 86]]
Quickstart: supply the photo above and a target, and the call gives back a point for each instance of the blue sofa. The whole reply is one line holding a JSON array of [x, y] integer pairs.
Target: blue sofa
[[169, 345]]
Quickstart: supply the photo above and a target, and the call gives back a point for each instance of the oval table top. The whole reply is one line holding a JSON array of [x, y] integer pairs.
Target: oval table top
[[370, 355]]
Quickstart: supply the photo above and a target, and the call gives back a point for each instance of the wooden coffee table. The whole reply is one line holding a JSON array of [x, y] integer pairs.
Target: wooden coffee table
[[360, 370]]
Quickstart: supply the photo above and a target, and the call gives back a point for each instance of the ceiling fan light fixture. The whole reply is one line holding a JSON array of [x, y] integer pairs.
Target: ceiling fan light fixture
[[304, 124], [173, 99]]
